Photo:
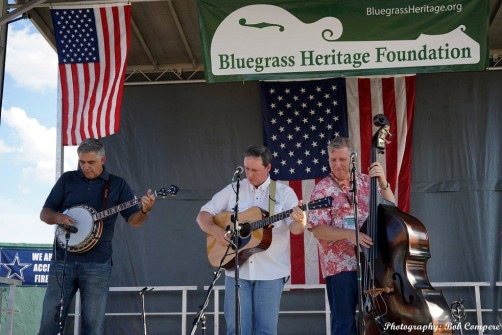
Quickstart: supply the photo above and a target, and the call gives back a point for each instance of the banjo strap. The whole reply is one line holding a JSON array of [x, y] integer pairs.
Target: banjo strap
[[105, 197], [105, 193]]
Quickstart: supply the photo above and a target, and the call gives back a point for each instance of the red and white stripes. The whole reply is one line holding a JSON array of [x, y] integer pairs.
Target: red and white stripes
[[90, 94]]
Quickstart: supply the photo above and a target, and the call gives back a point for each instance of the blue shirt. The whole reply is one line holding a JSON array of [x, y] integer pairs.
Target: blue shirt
[[73, 189]]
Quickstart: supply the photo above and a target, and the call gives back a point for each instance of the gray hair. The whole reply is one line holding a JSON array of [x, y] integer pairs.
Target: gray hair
[[338, 143], [92, 145]]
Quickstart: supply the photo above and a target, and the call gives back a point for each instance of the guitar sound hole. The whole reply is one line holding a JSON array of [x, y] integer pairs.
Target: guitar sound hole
[[245, 230]]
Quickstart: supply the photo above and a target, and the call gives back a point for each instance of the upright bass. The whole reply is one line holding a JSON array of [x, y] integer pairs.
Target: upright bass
[[397, 295]]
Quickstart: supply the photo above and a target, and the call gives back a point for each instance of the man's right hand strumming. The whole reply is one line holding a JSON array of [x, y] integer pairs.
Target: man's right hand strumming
[[206, 223]]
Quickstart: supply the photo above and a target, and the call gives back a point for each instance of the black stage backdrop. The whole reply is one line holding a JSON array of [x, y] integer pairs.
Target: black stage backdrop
[[193, 136]]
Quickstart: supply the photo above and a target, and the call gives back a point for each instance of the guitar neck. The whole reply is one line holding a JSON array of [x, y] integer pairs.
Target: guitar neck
[[110, 211], [274, 218]]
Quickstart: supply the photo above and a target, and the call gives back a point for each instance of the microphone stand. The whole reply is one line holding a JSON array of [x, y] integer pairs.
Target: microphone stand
[[143, 313], [236, 232], [232, 242], [201, 317], [360, 316], [59, 316]]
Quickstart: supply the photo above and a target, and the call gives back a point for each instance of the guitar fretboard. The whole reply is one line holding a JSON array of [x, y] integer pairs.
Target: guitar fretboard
[[110, 211], [274, 218]]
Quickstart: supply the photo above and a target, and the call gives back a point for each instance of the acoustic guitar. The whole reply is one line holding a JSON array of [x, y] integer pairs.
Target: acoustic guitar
[[255, 234]]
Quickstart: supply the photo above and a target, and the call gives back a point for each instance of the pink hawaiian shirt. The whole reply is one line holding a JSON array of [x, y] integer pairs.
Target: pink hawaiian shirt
[[339, 256]]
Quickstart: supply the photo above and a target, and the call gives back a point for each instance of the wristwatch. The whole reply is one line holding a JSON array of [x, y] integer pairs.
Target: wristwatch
[[386, 187]]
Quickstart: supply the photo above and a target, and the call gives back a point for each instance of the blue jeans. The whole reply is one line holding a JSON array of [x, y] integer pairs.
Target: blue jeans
[[93, 280], [342, 295], [260, 302]]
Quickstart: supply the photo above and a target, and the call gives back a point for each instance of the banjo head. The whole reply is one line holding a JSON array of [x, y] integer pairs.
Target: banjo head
[[86, 234]]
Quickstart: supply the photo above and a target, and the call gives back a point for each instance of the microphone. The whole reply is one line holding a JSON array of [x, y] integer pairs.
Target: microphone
[[70, 229], [353, 156], [237, 172]]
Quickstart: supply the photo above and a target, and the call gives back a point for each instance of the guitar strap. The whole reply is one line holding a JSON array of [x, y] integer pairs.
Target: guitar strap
[[271, 207], [271, 197]]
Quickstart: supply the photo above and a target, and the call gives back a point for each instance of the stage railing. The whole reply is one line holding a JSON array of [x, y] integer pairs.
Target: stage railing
[[477, 298], [10, 304], [326, 312], [184, 313], [184, 301], [475, 285]]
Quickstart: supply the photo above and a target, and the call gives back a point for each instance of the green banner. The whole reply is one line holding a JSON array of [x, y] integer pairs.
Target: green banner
[[244, 40]]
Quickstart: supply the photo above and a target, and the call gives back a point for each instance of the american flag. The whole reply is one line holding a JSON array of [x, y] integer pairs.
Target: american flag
[[92, 45], [299, 119]]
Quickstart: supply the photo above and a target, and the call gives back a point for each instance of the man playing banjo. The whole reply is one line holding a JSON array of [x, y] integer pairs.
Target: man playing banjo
[[88, 268]]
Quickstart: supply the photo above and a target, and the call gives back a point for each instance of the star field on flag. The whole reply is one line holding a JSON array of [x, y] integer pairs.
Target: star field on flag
[[76, 36], [299, 119]]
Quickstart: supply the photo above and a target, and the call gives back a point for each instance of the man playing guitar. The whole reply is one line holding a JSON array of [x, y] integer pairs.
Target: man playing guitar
[[263, 275]]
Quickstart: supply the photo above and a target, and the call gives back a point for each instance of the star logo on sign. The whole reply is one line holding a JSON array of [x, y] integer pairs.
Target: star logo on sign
[[16, 268]]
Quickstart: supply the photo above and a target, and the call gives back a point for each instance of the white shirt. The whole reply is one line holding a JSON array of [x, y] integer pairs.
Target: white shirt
[[274, 262]]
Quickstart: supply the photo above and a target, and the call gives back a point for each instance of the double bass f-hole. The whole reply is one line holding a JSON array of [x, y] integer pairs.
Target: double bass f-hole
[[401, 285]]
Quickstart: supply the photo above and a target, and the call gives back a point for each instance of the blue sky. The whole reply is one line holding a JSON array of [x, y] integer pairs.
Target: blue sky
[[28, 135]]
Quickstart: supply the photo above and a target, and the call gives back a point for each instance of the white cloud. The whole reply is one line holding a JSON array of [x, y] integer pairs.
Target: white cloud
[[27, 147], [35, 147], [4, 149], [30, 60], [22, 225], [35, 144]]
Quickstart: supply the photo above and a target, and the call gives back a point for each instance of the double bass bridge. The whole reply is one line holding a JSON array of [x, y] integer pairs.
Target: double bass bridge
[[377, 291]]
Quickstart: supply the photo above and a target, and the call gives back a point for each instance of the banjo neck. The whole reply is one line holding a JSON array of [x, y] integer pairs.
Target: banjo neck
[[163, 192], [90, 224], [115, 209]]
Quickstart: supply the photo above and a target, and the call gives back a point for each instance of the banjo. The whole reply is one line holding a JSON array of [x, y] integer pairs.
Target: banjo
[[90, 225]]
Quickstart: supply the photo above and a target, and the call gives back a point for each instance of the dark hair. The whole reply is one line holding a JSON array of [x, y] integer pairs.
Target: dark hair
[[92, 145], [259, 151], [338, 143]]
